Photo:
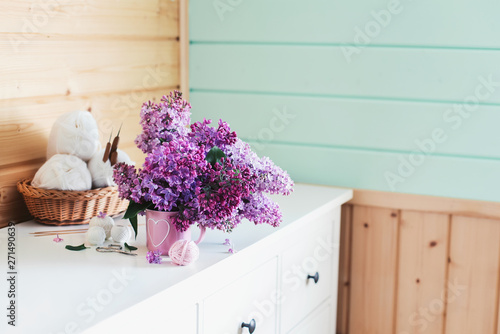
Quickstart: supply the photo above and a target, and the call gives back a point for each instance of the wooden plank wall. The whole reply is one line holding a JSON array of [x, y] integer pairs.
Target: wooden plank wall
[[104, 56], [427, 265], [374, 94]]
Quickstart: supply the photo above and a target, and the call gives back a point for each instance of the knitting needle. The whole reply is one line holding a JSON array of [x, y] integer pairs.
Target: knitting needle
[[60, 233], [65, 231]]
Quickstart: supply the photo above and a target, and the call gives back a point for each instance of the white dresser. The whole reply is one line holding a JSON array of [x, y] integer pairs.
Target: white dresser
[[281, 280]]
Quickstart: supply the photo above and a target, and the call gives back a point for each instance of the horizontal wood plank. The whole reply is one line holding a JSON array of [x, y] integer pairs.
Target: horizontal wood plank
[[12, 205], [65, 67], [131, 18], [382, 73], [443, 176], [368, 124], [323, 21], [24, 136]]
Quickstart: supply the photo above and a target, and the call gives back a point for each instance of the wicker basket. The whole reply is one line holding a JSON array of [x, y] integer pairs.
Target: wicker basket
[[61, 207]]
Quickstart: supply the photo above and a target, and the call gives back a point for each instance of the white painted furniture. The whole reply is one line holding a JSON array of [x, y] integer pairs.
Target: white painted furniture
[[60, 291]]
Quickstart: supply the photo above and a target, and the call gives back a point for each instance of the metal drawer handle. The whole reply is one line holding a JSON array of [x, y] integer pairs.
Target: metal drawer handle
[[251, 326], [315, 277]]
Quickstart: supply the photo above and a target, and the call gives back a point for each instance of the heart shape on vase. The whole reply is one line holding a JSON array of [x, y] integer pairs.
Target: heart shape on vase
[[155, 224]]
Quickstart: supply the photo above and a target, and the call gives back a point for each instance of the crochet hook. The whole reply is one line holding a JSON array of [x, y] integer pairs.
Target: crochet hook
[[108, 148], [113, 156]]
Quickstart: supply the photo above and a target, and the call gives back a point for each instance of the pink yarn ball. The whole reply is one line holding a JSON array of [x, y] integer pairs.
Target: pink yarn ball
[[184, 252]]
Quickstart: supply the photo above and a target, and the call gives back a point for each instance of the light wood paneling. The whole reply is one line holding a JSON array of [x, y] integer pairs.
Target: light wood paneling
[[473, 276], [107, 57], [19, 129], [76, 67], [12, 205], [423, 257], [373, 270], [102, 19], [344, 270], [447, 275], [454, 206]]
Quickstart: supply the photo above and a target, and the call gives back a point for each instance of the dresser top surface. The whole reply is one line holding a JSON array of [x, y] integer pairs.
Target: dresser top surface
[[58, 288]]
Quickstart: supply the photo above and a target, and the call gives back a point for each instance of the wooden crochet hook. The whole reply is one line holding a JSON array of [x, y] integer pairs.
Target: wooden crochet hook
[[113, 155], [108, 148]]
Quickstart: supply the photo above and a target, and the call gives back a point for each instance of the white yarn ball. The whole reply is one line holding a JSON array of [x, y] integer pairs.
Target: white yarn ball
[[63, 172], [95, 235], [105, 222], [74, 133], [102, 172], [120, 233]]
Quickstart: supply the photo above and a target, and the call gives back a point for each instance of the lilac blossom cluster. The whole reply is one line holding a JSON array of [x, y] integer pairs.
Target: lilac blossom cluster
[[163, 122], [179, 176]]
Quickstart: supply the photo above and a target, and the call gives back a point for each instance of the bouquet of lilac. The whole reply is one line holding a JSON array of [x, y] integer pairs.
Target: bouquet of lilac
[[206, 173]]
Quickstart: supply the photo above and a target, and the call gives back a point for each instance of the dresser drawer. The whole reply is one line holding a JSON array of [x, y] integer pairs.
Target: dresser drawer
[[252, 296], [319, 322], [313, 254]]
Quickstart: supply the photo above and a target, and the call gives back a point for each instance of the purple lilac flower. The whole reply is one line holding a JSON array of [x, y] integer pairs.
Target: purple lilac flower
[[154, 257], [269, 177], [261, 210], [203, 134], [177, 177], [163, 122]]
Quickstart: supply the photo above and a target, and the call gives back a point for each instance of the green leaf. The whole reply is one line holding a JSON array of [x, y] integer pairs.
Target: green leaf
[[134, 208], [133, 222], [76, 248], [130, 248], [215, 155], [132, 211]]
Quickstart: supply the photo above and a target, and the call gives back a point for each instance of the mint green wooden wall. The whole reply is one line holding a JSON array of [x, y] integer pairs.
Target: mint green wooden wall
[[388, 95]]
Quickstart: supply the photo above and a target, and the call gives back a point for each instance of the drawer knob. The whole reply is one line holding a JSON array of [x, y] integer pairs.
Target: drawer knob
[[315, 277], [251, 326]]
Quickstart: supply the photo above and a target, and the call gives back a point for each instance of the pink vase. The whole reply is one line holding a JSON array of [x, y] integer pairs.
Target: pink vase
[[161, 233]]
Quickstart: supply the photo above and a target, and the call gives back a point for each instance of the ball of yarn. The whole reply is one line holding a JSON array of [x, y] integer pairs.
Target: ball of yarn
[[105, 222], [63, 172], [95, 235], [102, 172], [184, 252], [74, 133], [120, 233]]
